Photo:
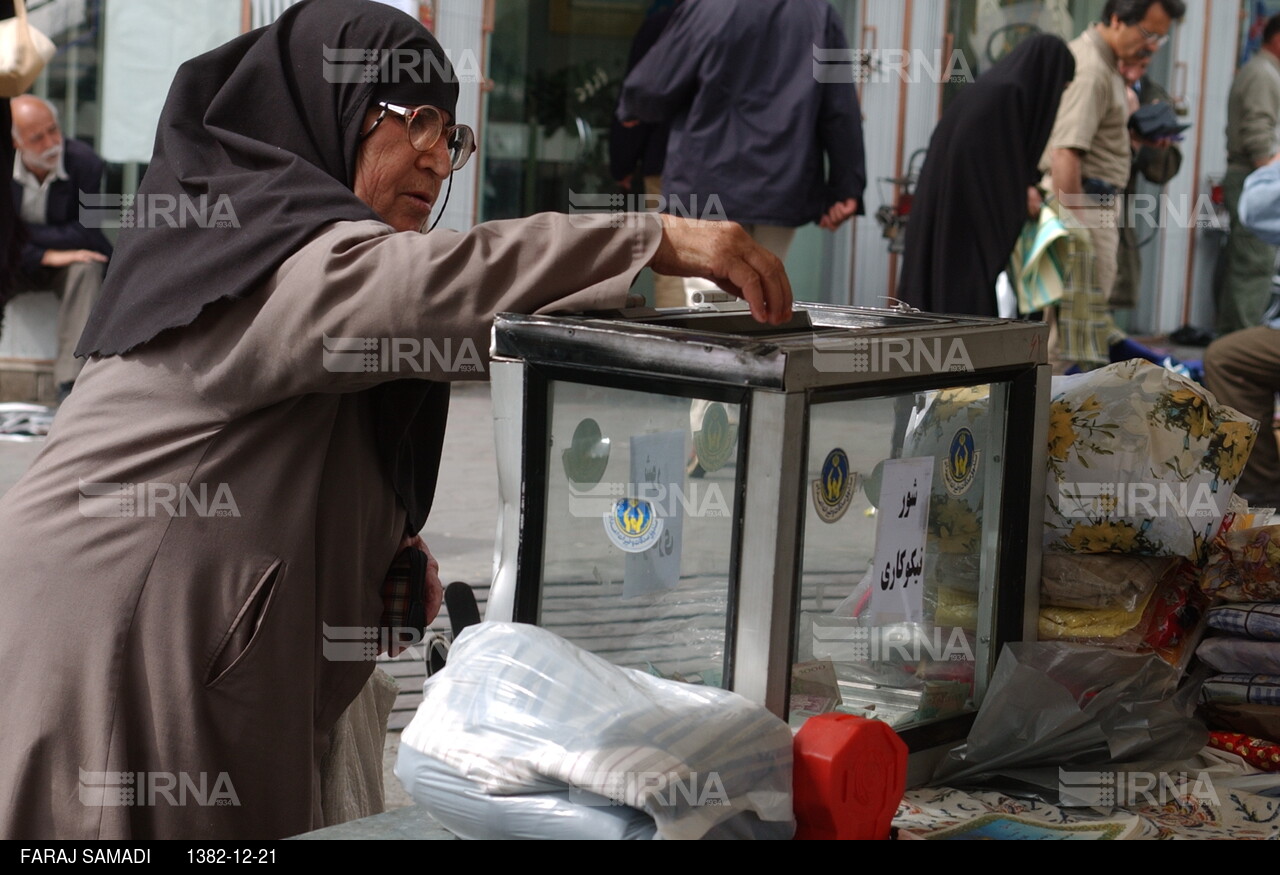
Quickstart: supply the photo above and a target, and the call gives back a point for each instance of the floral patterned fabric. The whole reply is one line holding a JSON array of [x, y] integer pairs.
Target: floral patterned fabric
[[1244, 565], [1234, 814], [952, 425], [1140, 460]]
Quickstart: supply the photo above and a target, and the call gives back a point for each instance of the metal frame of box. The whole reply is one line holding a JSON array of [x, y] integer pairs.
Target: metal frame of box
[[777, 374]]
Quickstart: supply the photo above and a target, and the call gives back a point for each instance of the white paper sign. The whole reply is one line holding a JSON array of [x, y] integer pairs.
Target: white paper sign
[[897, 577]]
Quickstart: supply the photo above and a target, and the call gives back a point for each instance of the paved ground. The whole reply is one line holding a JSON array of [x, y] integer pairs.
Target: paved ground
[[14, 459]]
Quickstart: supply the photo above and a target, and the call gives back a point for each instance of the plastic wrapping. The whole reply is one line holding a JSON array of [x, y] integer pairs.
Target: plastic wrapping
[[465, 809], [1244, 565], [547, 736], [1054, 705], [1227, 653], [1103, 581], [1141, 461], [937, 425], [1168, 622], [1100, 625]]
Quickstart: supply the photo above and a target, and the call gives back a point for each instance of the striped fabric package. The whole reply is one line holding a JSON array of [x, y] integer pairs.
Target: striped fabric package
[[520, 712]]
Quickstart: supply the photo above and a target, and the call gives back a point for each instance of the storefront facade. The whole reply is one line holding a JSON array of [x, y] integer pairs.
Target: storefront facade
[[540, 79]]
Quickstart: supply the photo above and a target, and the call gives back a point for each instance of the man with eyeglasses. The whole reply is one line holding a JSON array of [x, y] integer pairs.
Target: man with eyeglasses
[[1088, 159], [1243, 287]]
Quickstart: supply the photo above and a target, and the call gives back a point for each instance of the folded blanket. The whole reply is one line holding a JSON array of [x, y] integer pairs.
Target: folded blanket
[[1242, 689]]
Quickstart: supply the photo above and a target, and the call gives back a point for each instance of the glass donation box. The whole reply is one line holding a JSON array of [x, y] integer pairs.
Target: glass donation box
[[839, 514]]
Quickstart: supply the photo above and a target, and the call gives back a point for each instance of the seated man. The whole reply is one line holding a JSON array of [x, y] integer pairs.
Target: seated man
[[59, 254], [1242, 368]]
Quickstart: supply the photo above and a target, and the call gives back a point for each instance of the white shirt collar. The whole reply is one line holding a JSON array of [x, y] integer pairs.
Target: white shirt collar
[[23, 174]]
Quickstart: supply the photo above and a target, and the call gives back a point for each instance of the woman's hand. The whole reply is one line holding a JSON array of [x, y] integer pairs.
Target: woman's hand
[[435, 590], [725, 254], [1035, 201]]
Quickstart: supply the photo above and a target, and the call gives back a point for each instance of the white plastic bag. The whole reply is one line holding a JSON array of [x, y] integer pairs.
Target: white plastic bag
[[552, 734]]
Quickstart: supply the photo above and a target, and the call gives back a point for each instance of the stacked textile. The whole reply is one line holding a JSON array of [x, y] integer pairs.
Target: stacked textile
[[1142, 470], [1240, 703]]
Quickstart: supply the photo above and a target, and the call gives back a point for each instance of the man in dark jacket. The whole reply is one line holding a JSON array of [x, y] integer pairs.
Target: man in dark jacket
[[60, 254], [751, 122], [637, 150]]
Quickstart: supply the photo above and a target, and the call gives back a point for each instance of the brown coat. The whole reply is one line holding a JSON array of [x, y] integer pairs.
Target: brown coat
[[181, 638]]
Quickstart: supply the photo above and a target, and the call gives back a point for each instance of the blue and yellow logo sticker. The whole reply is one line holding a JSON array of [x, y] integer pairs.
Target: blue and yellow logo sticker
[[833, 491], [633, 525], [961, 466]]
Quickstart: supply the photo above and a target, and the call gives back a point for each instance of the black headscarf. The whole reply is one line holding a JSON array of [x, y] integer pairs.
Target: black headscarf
[[271, 121], [971, 198]]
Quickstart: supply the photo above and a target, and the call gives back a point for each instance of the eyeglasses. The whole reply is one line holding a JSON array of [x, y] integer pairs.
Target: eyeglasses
[[1154, 39], [425, 126]]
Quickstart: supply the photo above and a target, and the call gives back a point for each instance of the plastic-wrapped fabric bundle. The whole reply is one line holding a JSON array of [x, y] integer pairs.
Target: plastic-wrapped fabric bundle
[[1228, 654], [466, 810], [953, 426], [1244, 565], [1100, 581], [525, 735], [1141, 460]]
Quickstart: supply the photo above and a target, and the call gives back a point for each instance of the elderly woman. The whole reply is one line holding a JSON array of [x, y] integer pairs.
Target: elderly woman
[[179, 636]]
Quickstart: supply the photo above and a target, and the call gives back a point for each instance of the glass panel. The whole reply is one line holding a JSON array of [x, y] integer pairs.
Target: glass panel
[[984, 32], [639, 521], [556, 66], [898, 562]]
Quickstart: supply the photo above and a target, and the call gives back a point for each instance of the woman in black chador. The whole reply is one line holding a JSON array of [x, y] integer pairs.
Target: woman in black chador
[[971, 200]]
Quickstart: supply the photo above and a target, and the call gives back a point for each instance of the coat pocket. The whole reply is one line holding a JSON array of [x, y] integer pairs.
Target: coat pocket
[[243, 634]]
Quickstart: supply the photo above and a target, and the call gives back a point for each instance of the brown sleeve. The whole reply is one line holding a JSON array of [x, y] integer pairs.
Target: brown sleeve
[[360, 305], [1261, 114]]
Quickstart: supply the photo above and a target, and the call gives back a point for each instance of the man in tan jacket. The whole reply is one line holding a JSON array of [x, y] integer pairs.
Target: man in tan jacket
[[1088, 160]]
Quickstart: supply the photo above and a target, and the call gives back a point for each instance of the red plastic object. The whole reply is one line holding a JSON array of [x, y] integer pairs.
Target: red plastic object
[[850, 774]]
